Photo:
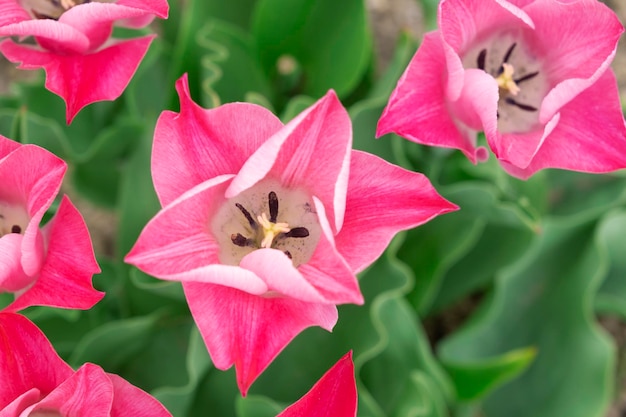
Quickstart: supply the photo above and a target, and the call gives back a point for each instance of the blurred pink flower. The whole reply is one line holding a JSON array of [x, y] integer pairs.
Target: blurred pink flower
[[532, 74], [36, 382], [82, 63], [52, 265], [334, 395], [267, 224]]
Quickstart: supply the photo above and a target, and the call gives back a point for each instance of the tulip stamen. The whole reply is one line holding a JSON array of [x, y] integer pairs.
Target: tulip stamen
[[480, 61], [522, 106], [526, 77], [247, 214]]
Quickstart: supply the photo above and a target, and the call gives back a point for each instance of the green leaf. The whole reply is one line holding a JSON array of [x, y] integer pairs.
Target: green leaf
[[115, 342], [230, 68], [329, 40], [257, 406], [611, 297], [475, 379], [137, 201], [545, 301]]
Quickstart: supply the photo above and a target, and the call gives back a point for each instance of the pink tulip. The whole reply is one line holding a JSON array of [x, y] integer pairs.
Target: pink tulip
[[50, 265], [267, 224], [83, 63], [532, 74], [36, 382], [334, 395]]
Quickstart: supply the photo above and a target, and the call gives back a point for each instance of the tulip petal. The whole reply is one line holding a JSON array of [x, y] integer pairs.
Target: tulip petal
[[247, 330], [12, 276], [12, 12], [328, 271], [334, 395], [65, 37], [197, 144], [380, 205], [177, 245], [88, 392], [132, 401], [312, 151], [27, 359], [277, 271], [65, 279], [594, 143], [417, 109], [83, 79]]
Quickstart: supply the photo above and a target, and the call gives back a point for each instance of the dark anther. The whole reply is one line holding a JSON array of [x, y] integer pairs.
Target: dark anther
[[509, 52], [273, 203], [298, 232], [522, 106], [16, 229], [42, 16], [526, 77], [506, 57], [240, 240], [497, 115], [288, 254], [247, 214], [481, 59]]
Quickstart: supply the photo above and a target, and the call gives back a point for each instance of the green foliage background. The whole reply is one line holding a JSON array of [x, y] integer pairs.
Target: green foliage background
[[534, 264]]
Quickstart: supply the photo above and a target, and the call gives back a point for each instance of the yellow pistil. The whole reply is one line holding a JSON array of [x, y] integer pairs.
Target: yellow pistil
[[505, 80], [271, 230], [67, 4]]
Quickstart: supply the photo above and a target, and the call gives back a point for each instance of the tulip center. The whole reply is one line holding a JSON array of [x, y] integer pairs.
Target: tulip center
[[13, 219], [267, 215], [521, 83], [53, 9]]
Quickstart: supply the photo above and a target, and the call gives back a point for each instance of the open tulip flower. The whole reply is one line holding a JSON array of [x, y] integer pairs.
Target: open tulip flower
[[36, 382], [82, 63], [532, 74], [50, 265], [267, 224], [334, 395]]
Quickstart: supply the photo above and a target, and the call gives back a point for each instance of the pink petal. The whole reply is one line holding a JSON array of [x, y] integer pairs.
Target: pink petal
[[593, 143], [63, 38], [196, 144], [462, 21], [277, 271], [7, 146], [65, 279], [31, 178], [27, 359], [88, 392], [129, 400], [20, 404], [334, 395], [576, 49], [83, 79], [311, 151], [95, 20], [177, 245], [12, 276], [381, 205], [11, 12], [247, 330], [329, 273], [417, 108], [156, 7]]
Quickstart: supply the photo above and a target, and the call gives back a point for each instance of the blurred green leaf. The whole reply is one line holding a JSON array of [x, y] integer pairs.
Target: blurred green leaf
[[473, 380], [229, 66], [257, 406], [544, 301], [329, 40], [611, 297], [178, 399]]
